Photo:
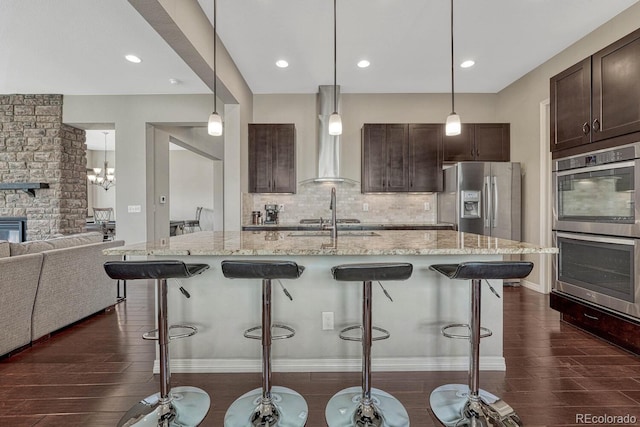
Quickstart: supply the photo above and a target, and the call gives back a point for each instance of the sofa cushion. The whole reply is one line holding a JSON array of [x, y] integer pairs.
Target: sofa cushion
[[5, 250], [72, 286], [18, 286], [38, 246]]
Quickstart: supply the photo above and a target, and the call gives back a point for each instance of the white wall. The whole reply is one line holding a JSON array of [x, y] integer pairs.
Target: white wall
[[191, 183], [133, 116]]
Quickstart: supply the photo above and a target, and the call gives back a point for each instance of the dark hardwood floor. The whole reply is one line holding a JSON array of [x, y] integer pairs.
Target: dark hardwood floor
[[91, 373]]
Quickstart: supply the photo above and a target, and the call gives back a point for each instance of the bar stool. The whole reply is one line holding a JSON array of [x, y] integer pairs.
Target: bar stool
[[468, 405], [268, 406], [366, 406], [178, 406]]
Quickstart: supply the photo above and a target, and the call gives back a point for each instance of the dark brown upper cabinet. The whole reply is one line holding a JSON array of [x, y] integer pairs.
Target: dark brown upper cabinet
[[401, 158], [615, 104], [272, 158], [488, 142], [571, 106], [597, 99]]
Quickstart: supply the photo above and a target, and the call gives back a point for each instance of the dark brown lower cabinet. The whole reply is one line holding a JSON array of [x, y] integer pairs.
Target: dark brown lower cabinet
[[612, 327]]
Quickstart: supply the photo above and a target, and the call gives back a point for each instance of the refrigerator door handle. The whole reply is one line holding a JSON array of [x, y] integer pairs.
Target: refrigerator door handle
[[494, 191], [488, 208]]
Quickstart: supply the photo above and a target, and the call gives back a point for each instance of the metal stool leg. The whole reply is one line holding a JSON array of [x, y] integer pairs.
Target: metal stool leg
[[469, 405], [365, 406], [269, 406], [181, 406]]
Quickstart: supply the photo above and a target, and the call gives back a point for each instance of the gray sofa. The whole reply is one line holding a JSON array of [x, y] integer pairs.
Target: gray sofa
[[49, 284]]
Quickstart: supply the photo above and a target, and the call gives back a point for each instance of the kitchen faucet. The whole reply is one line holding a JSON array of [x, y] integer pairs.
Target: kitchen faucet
[[334, 223]]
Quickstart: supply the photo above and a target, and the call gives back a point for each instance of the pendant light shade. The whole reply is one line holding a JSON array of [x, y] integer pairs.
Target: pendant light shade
[[335, 122], [453, 126], [214, 126]]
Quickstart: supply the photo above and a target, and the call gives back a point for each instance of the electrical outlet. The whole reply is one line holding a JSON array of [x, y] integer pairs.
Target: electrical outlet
[[280, 208], [327, 320], [134, 209], [427, 206], [365, 207]]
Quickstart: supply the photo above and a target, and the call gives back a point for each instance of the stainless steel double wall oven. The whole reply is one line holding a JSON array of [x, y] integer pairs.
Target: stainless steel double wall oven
[[596, 225]]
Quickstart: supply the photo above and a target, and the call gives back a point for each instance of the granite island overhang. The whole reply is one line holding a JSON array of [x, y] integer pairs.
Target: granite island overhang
[[223, 308]]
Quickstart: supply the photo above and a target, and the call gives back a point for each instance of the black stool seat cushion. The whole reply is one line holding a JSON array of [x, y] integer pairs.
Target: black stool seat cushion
[[372, 271], [251, 269], [165, 269], [485, 270]]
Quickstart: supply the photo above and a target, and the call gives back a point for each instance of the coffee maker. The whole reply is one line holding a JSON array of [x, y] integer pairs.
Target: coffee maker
[[271, 214]]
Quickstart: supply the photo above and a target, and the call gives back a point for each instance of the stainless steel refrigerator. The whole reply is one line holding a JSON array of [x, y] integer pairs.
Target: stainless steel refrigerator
[[482, 198]]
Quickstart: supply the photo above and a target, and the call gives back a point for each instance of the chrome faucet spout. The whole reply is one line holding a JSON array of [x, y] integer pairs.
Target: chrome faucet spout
[[334, 223]]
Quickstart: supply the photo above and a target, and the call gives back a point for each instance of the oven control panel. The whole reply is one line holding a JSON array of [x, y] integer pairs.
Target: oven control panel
[[597, 158]]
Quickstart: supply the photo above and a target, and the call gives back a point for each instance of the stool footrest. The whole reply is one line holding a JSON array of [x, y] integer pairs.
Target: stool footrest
[[153, 335], [291, 333], [385, 334], [484, 332]]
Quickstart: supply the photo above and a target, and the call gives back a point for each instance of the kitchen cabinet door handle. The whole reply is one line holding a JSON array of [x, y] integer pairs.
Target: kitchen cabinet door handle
[[588, 316], [596, 125], [585, 128]]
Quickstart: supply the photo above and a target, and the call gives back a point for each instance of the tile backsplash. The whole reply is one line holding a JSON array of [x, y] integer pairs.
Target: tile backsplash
[[312, 201]]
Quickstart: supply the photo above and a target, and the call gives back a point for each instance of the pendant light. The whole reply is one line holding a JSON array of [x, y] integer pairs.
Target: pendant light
[[215, 121], [453, 126], [335, 122]]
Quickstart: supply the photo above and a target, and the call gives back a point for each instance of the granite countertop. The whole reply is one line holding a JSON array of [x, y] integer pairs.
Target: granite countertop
[[379, 242]]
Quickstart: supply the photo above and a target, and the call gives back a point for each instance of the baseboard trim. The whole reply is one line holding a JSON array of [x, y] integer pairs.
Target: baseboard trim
[[489, 363], [533, 286]]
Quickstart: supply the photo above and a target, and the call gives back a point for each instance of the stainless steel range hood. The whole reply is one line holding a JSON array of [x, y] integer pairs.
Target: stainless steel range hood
[[328, 145]]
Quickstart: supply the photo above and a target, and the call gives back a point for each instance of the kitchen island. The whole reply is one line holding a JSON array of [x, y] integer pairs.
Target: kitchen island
[[223, 308]]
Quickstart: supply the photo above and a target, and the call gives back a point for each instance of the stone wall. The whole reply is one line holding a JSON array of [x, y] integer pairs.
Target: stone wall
[[35, 146]]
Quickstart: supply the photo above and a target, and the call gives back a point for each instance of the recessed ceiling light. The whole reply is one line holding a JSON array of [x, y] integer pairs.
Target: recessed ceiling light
[[364, 63], [468, 63], [281, 63], [174, 81], [133, 58]]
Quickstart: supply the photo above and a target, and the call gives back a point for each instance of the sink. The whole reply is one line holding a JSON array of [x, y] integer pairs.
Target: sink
[[339, 221], [328, 234]]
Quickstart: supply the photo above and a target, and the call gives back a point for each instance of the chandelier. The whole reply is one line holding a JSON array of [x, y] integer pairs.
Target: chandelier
[[103, 177]]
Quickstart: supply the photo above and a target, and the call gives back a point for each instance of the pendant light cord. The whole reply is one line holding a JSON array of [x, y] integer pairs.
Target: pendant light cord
[[215, 69], [453, 109], [105, 153], [335, 59]]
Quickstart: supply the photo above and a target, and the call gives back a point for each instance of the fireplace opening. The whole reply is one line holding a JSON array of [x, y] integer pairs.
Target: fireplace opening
[[13, 229]]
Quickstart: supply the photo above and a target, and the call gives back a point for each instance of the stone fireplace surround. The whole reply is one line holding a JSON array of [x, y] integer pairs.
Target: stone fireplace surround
[[36, 147]]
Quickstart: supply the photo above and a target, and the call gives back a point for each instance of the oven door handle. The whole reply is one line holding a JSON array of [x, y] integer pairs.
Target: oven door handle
[[607, 166], [599, 239]]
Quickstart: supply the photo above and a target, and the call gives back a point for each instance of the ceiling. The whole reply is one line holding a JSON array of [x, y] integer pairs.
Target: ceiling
[[76, 47]]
